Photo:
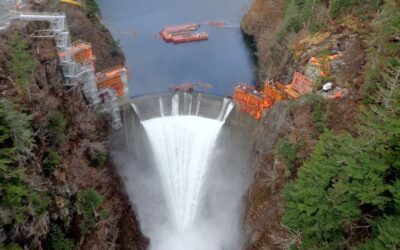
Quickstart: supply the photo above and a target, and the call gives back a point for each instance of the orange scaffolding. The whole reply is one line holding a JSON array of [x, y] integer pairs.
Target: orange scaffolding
[[115, 78], [80, 51], [252, 101], [273, 92]]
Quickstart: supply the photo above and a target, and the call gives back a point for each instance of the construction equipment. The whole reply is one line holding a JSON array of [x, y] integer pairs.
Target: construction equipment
[[330, 91]]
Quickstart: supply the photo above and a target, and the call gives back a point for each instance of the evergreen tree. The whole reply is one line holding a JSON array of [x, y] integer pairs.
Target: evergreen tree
[[17, 200], [19, 125], [351, 181], [56, 240]]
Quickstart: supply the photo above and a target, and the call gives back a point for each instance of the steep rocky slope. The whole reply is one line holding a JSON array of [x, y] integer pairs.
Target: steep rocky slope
[[67, 165], [287, 34]]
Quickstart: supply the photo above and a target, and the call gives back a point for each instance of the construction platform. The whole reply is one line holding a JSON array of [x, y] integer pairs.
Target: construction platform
[[252, 101], [115, 78], [255, 102]]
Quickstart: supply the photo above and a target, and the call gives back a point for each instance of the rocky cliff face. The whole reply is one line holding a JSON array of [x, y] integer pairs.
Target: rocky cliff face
[[262, 21], [297, 124], [81, 154], [265, 203]]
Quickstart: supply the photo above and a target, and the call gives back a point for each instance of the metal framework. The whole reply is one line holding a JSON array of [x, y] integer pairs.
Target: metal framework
[[75, 73]]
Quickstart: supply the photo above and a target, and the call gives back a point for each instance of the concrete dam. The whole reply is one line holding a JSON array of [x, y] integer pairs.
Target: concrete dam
[[184, 160]]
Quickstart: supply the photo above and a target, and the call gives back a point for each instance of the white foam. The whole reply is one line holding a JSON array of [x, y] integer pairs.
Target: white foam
[[182, 146]]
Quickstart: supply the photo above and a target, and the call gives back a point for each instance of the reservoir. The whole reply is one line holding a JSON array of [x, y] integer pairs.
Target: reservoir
[[155, 66]]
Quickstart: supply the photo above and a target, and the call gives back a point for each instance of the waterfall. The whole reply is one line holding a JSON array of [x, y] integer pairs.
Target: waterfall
[[162, 111], [175, 105], [182, 146], [135, 108], [198, 104], [227, 106], [228, 110]]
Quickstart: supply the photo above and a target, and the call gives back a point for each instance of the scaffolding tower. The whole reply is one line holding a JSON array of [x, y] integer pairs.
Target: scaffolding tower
[[76, 71]]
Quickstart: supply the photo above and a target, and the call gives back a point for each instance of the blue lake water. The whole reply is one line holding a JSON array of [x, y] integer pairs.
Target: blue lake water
[[155, 66]]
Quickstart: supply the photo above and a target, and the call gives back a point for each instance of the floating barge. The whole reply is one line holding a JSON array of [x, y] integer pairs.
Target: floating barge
[[182, 33], [183, 27], [183, 38]]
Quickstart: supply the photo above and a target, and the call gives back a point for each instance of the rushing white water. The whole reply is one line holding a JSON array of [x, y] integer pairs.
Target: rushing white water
[[182, 146], [198, 104], [162, 111], [175, 105]]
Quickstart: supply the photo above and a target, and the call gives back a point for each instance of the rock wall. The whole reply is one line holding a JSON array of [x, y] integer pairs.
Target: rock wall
[[86, 133]]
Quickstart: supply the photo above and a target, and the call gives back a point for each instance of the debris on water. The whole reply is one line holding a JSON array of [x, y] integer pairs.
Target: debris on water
[[190, 87], [218, 24], [128, 32], [221, 24]]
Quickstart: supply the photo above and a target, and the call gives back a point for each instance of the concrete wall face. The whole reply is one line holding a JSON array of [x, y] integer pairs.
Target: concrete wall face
[[200, 104]]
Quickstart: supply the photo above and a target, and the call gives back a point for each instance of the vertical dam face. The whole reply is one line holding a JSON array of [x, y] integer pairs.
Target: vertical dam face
[[184, 162]]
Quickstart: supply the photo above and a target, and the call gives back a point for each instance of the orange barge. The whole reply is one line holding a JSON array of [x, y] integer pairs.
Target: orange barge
[[168, 32], [169, 36], [183, 38], [182, 33]]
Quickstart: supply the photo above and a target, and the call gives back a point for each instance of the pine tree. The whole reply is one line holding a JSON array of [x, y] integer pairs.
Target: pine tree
[[18, 200], [56, 240], [19, 125]]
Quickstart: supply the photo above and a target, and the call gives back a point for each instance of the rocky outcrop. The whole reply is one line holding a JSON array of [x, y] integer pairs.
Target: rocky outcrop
[[262, 21], [265, 203]]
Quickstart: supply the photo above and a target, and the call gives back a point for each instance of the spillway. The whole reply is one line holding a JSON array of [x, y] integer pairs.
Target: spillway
[[184, 161], [182, 147]]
